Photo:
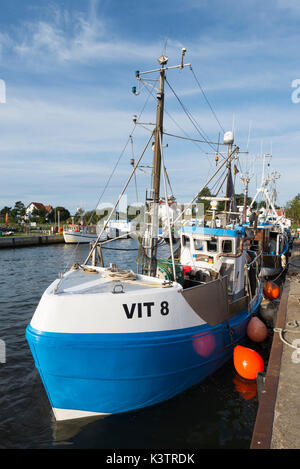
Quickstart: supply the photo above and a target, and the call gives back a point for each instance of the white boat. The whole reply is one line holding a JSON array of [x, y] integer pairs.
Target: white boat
[[74, 234], [107, 340], [120, 227], [272, 232]]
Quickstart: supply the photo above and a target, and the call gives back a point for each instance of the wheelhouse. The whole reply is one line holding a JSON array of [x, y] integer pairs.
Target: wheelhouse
[[211, 253]]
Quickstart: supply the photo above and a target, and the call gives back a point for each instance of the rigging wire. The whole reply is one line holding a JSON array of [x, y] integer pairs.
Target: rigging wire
[[72, 256], [188, 138], [122, 152], [135, 182], [223, 173], [192, 119], [206, 99], [222, 183], [195, 141]]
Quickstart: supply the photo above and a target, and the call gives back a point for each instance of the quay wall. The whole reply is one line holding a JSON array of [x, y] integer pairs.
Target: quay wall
[[277, 423], [23, 241]]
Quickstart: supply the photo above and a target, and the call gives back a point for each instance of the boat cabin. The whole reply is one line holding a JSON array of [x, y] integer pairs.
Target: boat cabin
[[91, 229], [211, 253]]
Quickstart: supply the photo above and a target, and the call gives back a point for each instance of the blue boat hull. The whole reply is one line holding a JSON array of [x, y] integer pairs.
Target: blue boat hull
[[115, 373]]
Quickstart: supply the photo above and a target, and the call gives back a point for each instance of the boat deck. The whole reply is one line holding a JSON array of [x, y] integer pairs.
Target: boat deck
[[80, 281]]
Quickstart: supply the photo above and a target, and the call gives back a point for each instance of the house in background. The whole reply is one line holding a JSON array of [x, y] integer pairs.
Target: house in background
[[37, 206]]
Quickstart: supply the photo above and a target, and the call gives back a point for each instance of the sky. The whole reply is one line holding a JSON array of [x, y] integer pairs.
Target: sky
[[69, 67]]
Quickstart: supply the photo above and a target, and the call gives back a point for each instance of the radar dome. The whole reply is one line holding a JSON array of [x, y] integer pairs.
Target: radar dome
[[228, 138]]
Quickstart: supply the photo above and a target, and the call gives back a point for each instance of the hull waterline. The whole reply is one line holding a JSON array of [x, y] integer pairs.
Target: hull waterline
[[101, 374]]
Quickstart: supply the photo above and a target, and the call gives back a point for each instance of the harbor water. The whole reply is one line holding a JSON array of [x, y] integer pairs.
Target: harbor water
[[220, 412]]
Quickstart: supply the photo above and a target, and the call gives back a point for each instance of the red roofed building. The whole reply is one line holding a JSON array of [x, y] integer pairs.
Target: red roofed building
[[37, 206]]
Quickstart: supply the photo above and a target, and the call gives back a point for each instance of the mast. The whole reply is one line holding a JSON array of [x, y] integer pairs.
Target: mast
[[158, 131], [229, 140], [150, 238], [245, 180]]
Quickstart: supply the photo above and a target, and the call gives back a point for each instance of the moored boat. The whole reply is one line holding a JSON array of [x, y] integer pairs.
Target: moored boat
[[74, 234], [107, 340], [271, 230]]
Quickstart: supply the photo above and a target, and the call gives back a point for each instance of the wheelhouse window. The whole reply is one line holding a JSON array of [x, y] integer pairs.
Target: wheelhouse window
[[212, 245], [198, 244], [186, 241], [227, 245]]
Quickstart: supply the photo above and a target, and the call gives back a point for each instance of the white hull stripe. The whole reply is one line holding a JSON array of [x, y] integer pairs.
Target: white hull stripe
[[70, 414]]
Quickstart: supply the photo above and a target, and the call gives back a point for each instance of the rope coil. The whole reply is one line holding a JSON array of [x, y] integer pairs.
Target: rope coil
[[118, 274]]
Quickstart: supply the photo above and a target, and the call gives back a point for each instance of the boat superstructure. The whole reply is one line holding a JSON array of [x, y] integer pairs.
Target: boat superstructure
[[272, 236], [107, 340], [120, 227]]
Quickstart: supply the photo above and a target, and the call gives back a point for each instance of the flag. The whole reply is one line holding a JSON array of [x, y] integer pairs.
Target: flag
[[235, 170]]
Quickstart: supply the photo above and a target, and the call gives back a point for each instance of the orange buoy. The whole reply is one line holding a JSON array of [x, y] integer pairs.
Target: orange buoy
[[257, 330], [271, 290], [247, 362]]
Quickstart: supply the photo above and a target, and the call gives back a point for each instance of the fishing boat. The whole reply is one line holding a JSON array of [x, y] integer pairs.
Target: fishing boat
[[272, 237], [107, 340], [77, 233]]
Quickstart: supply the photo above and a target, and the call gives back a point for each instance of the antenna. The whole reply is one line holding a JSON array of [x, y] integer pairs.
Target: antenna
[[165, 47], [233, 123], [183, 51], [217, 152], [250, 124]]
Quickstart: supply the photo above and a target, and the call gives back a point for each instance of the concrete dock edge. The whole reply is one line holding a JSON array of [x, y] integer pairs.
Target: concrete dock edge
[[276, 425]]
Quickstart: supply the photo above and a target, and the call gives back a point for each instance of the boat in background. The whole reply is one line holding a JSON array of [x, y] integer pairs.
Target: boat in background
[[272, 233], [79, 233]]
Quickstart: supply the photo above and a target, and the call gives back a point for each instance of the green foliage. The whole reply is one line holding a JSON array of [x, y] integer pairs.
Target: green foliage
[[204, 193], [60, 213], [5, 210], [293, 210]]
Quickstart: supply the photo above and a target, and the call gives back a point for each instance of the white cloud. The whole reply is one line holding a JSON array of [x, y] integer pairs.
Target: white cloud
[[73, 38], [78, 130]]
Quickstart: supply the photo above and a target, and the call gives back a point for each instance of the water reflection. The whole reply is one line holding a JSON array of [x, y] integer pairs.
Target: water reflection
[[247, 389]]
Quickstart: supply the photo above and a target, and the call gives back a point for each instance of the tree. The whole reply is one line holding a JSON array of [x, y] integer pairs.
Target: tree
[[18, 211], [39, 215], [293, 210], [20, 207], [60, 213], [204, 193], [240, 199], [5, 210], [79, 215]]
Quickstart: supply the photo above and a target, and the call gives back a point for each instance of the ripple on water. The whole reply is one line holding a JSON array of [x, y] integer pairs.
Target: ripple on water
[[213, 414]]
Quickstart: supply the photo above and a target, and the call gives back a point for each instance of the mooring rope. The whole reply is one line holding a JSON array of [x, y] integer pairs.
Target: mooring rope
[[293, 324]]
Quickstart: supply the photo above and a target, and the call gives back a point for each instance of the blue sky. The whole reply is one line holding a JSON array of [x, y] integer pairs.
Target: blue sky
[[69, 67]]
